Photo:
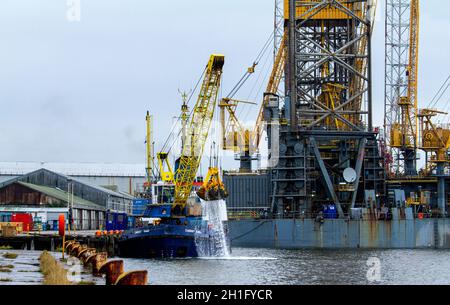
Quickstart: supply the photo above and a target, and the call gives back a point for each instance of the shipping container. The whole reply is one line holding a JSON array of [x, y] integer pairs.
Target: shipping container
[[26, 219], [116, 221], [248, 192]]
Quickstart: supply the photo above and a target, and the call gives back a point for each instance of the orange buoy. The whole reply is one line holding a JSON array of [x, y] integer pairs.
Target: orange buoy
[[98, 233], [111, 232], [61, 225], [116, 232], [105, 232]]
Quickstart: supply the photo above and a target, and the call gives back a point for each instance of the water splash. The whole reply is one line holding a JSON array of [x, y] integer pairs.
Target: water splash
[[240, 258], [215, 244]]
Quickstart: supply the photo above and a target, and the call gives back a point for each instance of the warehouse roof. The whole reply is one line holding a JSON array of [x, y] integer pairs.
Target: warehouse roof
[[75, 169], [62, 195], [98, 188]]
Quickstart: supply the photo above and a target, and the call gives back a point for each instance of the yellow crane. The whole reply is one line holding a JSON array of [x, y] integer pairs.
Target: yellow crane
[[435, 139], [149, 143], [165, 170], [197, 133], [272, 88], [235, 136], [405, 132], [413, 68]]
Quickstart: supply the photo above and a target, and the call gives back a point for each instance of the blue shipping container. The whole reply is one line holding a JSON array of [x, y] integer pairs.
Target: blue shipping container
[[116, 221]]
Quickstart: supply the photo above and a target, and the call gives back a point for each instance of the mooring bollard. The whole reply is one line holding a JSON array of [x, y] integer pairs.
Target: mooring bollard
[[97, 262], [132, 278], [90, 258], [74, 248], [67, 245], [80, 250], [85, 253], [112, 270]]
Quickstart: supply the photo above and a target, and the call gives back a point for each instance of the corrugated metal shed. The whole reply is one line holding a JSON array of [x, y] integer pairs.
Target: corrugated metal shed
[[21, 194], [101, 196], [247, 191], [46, 177], [63, 196]]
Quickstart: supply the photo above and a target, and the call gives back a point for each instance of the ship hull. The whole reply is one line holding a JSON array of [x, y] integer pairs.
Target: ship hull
[[158, 247], [169, 241], [340, 234]]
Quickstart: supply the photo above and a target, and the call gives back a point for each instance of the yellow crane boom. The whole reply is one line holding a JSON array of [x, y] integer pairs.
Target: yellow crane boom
[[413, 67], [197, 132], [149, 143]]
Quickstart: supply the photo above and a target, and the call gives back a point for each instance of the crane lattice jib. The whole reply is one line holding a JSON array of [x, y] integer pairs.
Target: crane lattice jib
[[401, 81], [197, 131], [414, 64]]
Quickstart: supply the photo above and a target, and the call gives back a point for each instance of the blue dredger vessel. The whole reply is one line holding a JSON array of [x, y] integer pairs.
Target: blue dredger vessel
[[184, 223], [196, 233]]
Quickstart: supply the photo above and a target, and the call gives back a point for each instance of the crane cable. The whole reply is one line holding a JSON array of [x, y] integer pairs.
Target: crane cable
[[263, 81], [232, 93], [172, 131], [247, 74], [440, 93]]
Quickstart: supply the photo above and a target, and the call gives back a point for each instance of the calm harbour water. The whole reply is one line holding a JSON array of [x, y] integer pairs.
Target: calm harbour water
[[268, 267], [297, 267]]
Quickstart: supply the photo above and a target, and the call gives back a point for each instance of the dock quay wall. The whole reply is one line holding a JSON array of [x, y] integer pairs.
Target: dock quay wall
[[36, 242]]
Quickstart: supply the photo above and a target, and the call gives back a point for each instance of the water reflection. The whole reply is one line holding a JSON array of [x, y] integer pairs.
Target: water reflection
[[295, 267]]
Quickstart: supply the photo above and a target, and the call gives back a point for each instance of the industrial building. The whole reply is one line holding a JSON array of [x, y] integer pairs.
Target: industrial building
[[127, 178], [46, 194]]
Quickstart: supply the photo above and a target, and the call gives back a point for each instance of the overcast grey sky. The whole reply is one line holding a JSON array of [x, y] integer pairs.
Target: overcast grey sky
[[78, 91]]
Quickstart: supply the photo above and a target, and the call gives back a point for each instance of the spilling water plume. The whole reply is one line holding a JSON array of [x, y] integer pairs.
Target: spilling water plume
[[214, 214]]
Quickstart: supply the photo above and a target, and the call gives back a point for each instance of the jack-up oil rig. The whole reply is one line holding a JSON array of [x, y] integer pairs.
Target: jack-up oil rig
[[334, 179]]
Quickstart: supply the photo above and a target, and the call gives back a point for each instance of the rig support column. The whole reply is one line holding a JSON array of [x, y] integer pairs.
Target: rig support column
[[292, 66], [442, 200]]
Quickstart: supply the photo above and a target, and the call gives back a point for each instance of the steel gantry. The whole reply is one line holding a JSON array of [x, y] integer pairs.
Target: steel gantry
[[328, 150], [401, 123]]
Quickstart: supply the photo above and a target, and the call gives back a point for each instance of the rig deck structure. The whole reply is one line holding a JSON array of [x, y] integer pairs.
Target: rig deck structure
[[325, 126], [323, 146]]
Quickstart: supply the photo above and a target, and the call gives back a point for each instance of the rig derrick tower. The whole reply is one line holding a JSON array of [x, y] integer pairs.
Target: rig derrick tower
[[401, 123], [327, 150]]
